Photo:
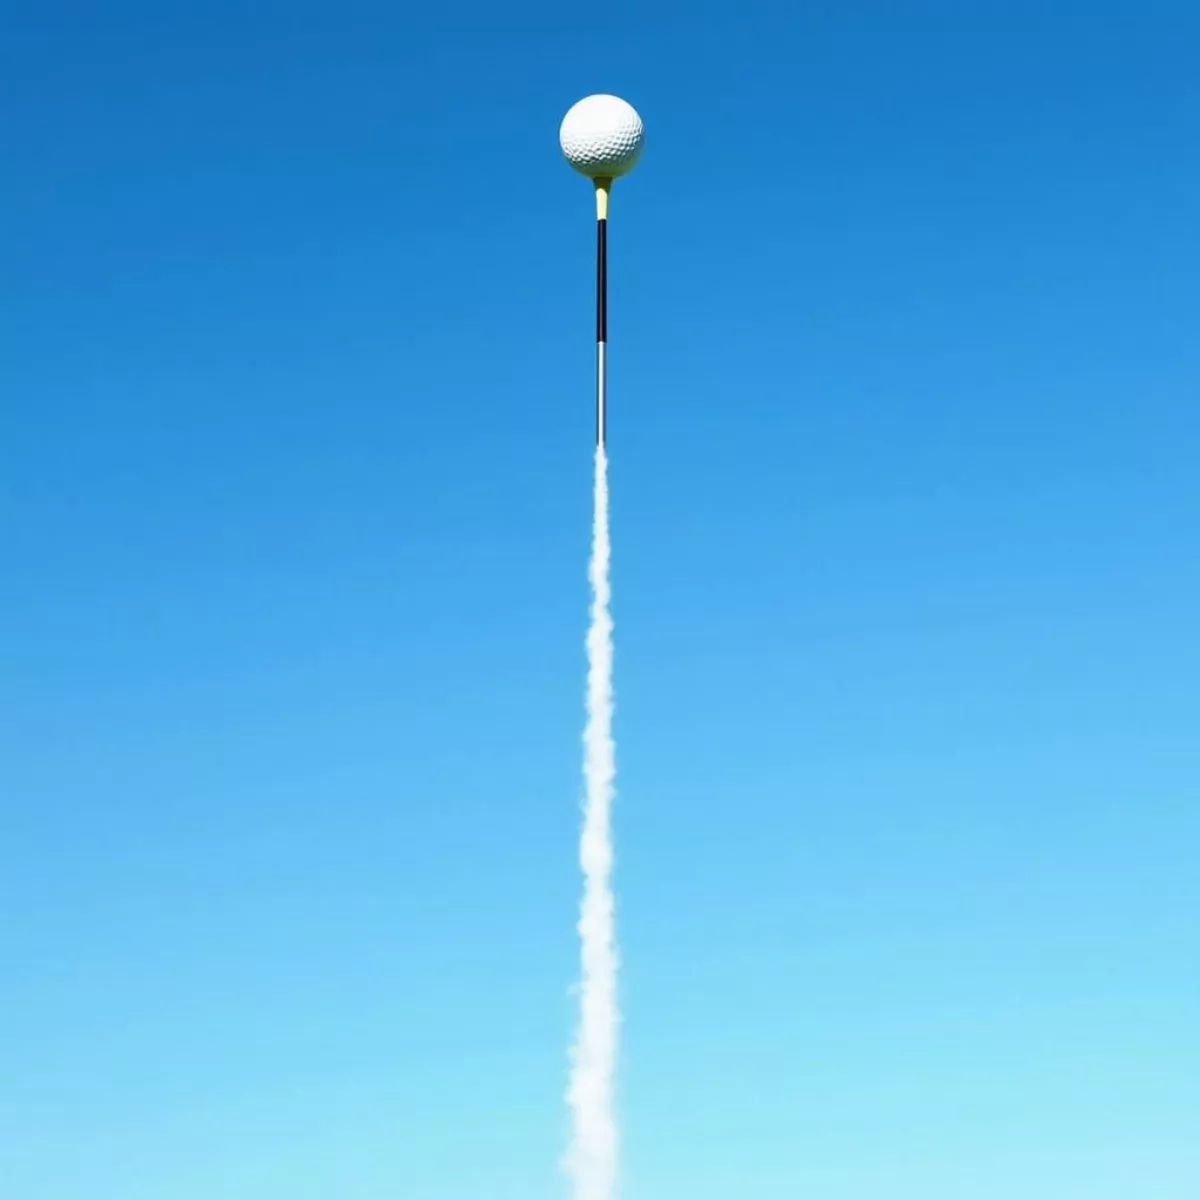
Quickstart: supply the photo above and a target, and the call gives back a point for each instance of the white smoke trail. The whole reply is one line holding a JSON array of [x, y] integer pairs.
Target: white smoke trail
[[592, 1158]]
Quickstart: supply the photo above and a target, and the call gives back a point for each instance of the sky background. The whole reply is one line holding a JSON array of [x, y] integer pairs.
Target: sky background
[[295, 436]]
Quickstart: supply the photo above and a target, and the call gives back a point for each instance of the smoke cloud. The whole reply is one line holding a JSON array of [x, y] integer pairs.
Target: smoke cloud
[[592, 1158]]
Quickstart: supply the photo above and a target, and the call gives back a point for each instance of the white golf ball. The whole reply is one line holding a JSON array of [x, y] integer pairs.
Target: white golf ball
[[602, 136]]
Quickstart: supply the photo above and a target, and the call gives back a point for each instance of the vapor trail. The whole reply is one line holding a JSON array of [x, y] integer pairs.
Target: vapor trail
[[592, 1158]]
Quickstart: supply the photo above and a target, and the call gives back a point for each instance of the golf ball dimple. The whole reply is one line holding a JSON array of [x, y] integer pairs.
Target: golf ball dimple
[[602, 136]]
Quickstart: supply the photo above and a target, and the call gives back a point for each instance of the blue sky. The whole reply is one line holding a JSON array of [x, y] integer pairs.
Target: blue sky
[[294, 453]]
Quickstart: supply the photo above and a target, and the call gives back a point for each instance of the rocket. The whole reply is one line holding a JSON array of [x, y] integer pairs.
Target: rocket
[[602, 137]]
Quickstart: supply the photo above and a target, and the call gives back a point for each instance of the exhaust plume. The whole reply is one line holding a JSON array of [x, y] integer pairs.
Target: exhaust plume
[[592, 1159]]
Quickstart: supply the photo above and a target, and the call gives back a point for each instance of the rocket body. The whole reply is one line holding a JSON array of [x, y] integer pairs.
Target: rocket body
[[601, 318]]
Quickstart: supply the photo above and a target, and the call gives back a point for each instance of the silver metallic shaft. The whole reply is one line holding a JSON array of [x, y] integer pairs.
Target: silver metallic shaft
[[601, 392]]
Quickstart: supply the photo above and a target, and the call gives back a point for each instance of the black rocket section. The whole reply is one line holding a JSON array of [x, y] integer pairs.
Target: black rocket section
[[602, 280]]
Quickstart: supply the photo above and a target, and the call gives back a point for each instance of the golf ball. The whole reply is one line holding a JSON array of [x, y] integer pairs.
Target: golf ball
[[602, 136]]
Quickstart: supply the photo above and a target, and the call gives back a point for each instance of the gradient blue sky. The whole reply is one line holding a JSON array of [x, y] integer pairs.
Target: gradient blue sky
[[294, 455]]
